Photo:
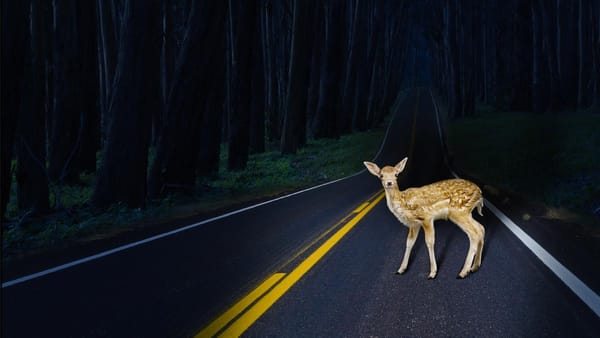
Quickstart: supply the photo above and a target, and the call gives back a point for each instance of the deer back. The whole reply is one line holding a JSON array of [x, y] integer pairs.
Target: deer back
[[436, 199]]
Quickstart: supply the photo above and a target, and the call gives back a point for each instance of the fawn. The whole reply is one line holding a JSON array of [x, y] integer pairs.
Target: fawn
[[418, 208]]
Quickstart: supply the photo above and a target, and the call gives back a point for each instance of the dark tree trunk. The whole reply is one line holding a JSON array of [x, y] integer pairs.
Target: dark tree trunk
[[243, 16], [351, 66], [521, 58], [15, 41], [270, 76], [257, 108], [536, 47], [122, 174], [210, 145], [298, 80], [167, 61], [90, 137], [550, 93], [595, 18], [456, 109], [32, 181], [580, 38], [106, 64], [195, 98], [317, 48], [67, 117], [327, 116], [449, 46], [470, 61], [365, 56]]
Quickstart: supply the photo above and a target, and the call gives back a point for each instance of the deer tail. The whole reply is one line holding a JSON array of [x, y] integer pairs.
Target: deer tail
[[480, 206]]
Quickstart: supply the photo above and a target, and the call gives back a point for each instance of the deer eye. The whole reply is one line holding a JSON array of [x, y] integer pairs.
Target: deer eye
[[396, 175], [380, 176]]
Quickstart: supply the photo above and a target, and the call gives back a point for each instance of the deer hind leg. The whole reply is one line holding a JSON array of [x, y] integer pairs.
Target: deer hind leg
[[430, 242], [475, 233], [410, 242], [481, 238]]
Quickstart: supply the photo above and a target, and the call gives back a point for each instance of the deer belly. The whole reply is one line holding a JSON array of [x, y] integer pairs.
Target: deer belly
[[440, 214], [437, 210]]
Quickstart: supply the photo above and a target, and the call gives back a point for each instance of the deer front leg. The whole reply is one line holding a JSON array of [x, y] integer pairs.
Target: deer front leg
[[410, 242], [430, 241]]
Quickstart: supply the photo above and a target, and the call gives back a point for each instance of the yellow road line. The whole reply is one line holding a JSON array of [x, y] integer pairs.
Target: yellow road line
[[323, 235], [360, 207], [240, 306], [262, 305]]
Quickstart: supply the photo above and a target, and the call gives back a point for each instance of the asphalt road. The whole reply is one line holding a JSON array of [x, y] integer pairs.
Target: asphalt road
[[177, 285]]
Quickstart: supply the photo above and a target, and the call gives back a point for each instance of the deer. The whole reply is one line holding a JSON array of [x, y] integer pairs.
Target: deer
[[416, 208]]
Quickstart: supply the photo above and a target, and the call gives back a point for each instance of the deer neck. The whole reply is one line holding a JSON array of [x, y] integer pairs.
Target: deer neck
[[393, 194], [396, 202]]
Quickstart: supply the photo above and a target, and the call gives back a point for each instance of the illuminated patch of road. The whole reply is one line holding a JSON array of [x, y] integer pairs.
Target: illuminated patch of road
[[238, 318]]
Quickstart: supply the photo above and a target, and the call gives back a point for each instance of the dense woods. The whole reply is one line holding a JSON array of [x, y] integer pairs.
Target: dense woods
[[533, 55], [145, 93]]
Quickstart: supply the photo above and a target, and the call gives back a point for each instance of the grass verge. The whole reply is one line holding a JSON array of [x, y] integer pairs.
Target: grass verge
[[267, 175], [551, 158]]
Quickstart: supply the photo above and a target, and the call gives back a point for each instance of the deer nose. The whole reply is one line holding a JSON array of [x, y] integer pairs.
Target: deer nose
[[389, 183]]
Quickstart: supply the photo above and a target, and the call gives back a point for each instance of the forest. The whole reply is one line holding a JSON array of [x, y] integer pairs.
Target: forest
[[146, 94]]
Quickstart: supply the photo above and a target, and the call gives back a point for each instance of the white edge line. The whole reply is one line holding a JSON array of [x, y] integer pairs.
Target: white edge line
[[184, 228], [159, 236], [587, 295]]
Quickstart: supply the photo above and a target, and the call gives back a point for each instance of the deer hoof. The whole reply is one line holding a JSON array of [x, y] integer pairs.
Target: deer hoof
[[431, 276]]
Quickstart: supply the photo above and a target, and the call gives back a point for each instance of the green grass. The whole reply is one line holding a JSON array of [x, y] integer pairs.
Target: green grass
[[267, 174], [552, 158]]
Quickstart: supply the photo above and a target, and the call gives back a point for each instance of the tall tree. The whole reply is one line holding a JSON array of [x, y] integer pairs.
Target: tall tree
[[536, 83], [350, 66], [365, 74], [106, 46], [580, 38], [295, 114], [327, 116], [521, 58], [550, 65], [32, 180], [257, 107], [136, 93], [558, 36], [211, 130], [15, 40], [195, 92], [66, 120], [243, 20], [89, 108], [270, 80]]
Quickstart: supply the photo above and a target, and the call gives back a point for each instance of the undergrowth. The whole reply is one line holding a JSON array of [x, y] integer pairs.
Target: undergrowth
[[267, 174], [550, 158]]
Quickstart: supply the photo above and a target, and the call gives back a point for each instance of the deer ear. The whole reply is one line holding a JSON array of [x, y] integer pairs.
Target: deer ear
[[400, 166], [373, 168]]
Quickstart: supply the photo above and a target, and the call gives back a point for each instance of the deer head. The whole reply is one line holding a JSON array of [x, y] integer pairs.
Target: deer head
[[388, 175]]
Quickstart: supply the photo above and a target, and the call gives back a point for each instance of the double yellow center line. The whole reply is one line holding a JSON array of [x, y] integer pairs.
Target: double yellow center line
[[238, 318]]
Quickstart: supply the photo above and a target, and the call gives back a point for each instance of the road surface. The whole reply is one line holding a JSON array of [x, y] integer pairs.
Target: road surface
[[319, 263]]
